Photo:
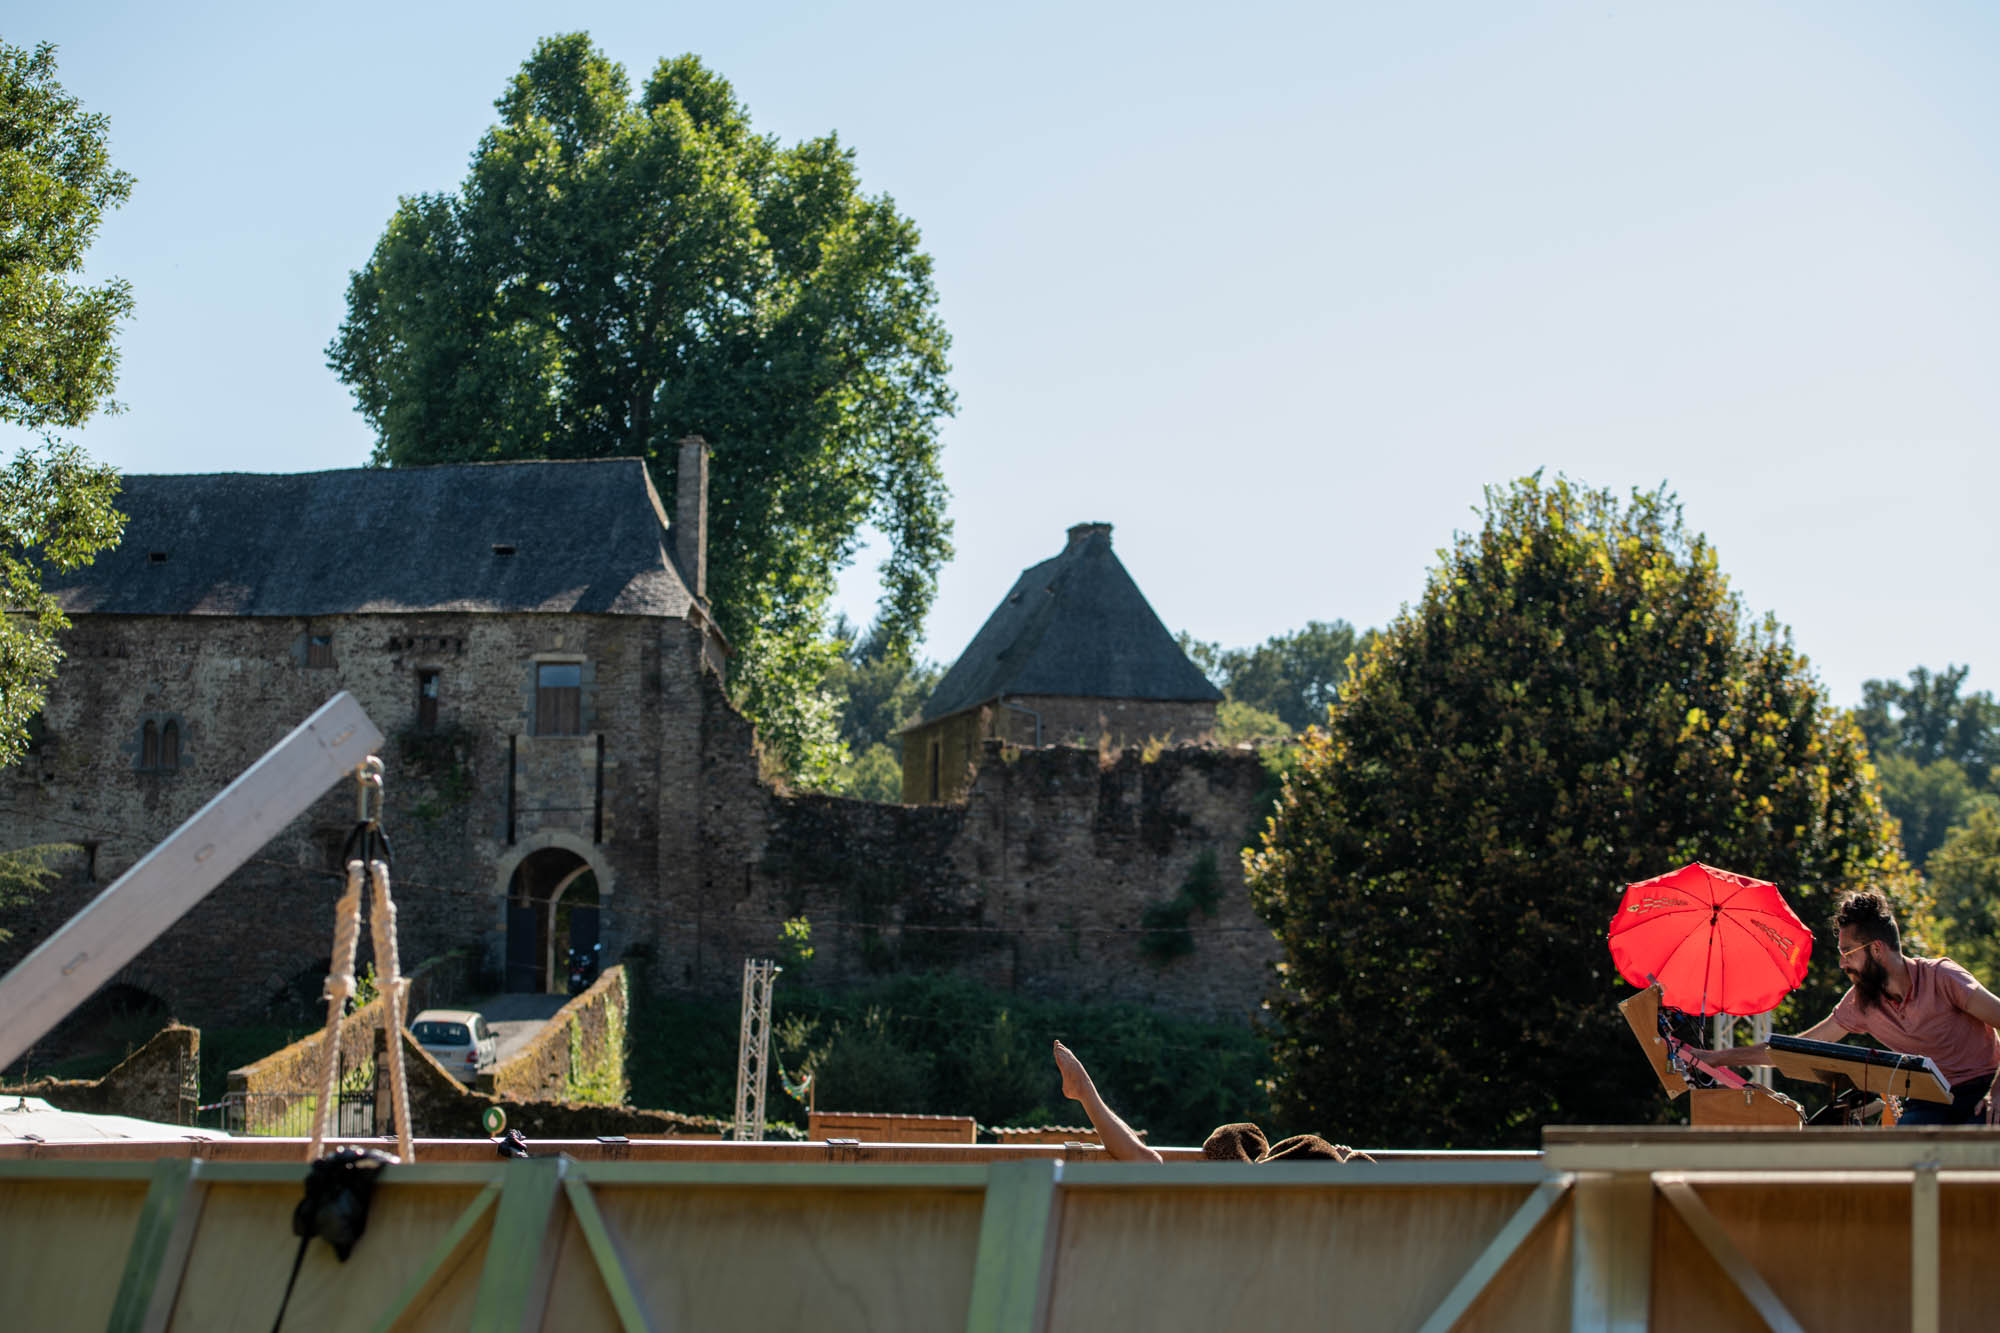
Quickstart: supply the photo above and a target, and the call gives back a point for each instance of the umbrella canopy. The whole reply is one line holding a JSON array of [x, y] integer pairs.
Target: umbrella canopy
[[1718, 943]]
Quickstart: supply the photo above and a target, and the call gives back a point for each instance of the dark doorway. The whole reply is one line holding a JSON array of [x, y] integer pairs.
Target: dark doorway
[[552, 909]]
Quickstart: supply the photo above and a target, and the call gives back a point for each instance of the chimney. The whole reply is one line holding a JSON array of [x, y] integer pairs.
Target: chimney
[[691, 515], [1083, 532]]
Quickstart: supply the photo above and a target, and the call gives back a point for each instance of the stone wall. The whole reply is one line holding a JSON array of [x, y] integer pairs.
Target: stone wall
[[442, 1107], [579, 1056], [1039, 882], [467, 804], [157, 1082]]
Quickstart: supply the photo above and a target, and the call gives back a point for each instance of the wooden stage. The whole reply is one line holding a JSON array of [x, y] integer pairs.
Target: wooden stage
[[1606, 1228]]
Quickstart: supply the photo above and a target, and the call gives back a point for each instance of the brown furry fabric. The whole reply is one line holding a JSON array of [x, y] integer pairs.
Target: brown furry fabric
[[1244, 1142]]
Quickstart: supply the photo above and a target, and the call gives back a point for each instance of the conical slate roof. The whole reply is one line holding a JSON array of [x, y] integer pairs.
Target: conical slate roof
[[1076, 625], [532, 536]]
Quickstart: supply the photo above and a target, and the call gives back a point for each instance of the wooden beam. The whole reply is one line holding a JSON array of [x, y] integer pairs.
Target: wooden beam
[[160, 1245], [407, 1309], [1611, 1252], [1723, 1250], [611, 1264], [1017, 1231], [521, 1253], [88, 951], [1494, 1257], [1924, 1313]]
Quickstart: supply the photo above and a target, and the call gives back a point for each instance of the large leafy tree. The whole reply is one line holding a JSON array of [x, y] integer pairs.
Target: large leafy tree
[[57, 358], [1578, 702], [1283, 684], [618, 272], [57, 364], [1938, 749]]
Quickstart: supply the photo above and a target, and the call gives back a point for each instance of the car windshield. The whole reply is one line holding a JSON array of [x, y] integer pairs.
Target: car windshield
[[441, 1034]]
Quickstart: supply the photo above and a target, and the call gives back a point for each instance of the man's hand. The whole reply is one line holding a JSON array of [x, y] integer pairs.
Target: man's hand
[[1076, 1084]]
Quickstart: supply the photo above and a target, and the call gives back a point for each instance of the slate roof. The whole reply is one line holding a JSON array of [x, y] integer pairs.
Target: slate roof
[[584, 536], [1076, 625]]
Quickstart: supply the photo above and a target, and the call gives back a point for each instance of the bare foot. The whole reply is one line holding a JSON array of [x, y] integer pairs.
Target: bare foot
[[1075, 1082]]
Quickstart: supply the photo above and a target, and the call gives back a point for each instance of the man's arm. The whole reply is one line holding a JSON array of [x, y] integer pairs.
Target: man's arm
[[1743, 1057], [1981, 1003], [1119, 1141]]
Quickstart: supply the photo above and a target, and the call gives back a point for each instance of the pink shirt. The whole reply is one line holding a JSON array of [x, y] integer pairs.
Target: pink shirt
[[1930, 1020]]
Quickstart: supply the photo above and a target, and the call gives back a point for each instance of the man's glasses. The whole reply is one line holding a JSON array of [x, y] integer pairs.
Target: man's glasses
[[1859, 948]]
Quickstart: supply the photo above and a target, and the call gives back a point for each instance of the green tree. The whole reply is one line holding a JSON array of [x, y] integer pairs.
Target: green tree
[[618, 273], [57, 365], [57, 359], [1938, 750], [1577, 703], [25, 872], [1965, 875], [55, 514], [1928, 719], [1292, 677], [879, 686]]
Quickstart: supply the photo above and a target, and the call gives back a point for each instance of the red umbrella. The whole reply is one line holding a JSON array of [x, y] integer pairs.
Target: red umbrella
[[1718, 943]]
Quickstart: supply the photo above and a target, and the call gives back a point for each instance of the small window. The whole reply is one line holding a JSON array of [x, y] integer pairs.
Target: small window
[[427, 700], [149, 746], [319, 650], [559, 699], [170, 747]]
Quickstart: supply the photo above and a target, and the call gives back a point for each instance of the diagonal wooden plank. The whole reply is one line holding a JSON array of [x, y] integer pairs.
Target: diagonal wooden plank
[[1494, 1257], [121, 921], [1722, 1249], [160, 1245], [437, 1268], [521, 1256], [1017, 1232], [610, 1263]]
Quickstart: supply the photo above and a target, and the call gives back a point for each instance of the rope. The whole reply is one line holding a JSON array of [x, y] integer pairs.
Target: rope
[[339, 987], [395, 990]]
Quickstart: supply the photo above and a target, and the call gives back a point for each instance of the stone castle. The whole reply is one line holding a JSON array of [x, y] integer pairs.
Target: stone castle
[[567, 783]]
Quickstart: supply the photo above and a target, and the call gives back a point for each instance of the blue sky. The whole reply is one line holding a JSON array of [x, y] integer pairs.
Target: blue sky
[[1275, 290]]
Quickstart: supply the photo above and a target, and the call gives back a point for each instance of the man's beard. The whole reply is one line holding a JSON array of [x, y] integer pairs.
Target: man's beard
[[1871, 983]]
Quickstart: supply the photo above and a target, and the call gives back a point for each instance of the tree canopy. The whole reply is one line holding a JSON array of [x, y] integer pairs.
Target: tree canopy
[[1577, 703], [57, 359], [1289, 678], [57, 364], [619, 272], [1938, 750]]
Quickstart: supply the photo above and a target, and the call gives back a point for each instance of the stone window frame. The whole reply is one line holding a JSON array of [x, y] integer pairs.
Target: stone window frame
[[430, 685], [160, 744], [586, 692]]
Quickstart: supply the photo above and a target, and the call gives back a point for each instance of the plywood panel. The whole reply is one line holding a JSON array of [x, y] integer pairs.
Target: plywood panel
[[1247, 1259], [726, 1259], [1835, 1250], [1690, 1292], [62, 1246], [244, 1249], [1531, 1294]]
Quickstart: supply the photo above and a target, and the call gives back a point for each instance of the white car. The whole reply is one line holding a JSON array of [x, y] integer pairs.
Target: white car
[[458, 1038]]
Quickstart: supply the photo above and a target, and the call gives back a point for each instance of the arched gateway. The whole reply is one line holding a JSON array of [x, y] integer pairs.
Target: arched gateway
[[554, 893]]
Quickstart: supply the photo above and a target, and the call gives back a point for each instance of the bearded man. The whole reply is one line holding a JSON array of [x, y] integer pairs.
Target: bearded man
[[1918, 1006]]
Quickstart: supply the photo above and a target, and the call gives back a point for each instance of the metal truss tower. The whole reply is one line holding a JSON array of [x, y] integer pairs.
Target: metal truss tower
[[753, 1054]]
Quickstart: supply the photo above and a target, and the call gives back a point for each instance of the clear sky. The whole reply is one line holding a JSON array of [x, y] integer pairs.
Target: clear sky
[[1274, 289]]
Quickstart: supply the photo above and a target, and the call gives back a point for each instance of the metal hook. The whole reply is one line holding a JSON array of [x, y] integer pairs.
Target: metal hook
[[367, 775]]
